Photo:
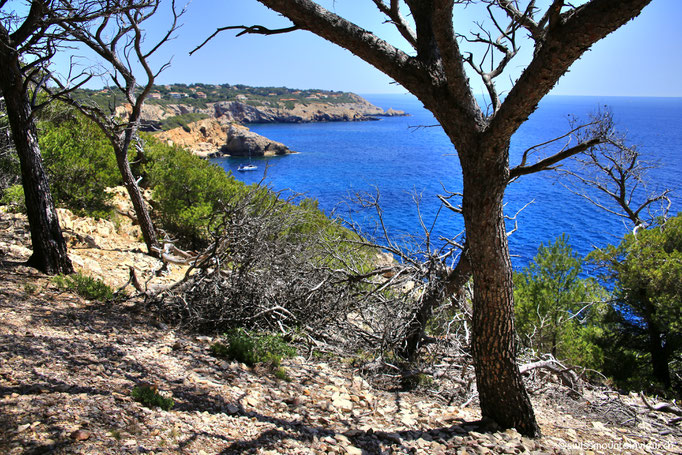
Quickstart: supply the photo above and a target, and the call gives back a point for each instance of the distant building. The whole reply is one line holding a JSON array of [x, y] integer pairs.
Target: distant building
[[177, 95], [201, 94], [241, 97], [155, 95]]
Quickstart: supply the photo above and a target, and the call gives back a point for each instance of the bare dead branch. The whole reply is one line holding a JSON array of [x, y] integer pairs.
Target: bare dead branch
[[252, 30]]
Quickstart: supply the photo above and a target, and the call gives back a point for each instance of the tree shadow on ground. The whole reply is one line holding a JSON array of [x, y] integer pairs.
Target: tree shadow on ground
[[48, 368]]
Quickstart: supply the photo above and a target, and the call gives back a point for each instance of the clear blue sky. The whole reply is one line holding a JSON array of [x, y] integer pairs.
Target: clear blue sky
[[643, 58]]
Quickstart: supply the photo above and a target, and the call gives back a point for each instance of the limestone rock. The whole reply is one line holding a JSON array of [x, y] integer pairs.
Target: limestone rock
[[242, 142], [203, 138]]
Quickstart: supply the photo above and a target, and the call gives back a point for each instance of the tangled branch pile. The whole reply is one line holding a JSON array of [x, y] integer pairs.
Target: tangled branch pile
[[275, 265]]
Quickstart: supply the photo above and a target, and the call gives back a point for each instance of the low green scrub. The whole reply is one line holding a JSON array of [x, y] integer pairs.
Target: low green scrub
[[557, 312], [182, 121], [85, 286], [13, 198], [252, 348], [150, 397]]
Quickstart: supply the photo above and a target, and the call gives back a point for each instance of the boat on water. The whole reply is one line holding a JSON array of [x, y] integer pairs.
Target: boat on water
[[247, 167]]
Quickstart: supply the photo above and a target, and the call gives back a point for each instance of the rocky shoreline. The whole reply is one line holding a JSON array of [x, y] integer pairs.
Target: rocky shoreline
[[223, 133]]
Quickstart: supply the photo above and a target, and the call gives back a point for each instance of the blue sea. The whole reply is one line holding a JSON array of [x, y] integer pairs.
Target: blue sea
[[404, 156]]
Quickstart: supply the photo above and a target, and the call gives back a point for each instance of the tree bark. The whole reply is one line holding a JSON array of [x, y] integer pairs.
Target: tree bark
[[49, 248], [501, 391]]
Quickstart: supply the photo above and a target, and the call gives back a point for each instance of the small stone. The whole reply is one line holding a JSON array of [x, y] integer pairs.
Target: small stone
[[343, 405], [80, 435]]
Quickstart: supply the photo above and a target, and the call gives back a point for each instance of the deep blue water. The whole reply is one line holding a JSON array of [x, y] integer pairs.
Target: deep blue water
[[336, 159]]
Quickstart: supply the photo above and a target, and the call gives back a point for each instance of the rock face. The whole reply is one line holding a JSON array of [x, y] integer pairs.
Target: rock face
[[204, 138], [360, 110], [209, 138], [270, 112], [242, 142]]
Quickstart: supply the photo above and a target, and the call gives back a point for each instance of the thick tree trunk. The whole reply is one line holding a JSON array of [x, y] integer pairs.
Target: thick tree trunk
[[143, 218], [501, 390], [49, 249]]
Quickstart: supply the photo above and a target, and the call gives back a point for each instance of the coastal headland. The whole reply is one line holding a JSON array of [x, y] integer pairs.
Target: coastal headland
[[209, 119]]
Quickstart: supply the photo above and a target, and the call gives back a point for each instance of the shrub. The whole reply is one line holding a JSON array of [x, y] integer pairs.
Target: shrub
[[150, 397], [182, 120], [13, 198], [252, 348], [85, 286], [281, 373], [80, 163], [187, 191], [556, 311]]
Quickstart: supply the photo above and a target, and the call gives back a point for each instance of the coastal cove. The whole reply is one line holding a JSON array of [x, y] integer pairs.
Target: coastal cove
[[400, 156]]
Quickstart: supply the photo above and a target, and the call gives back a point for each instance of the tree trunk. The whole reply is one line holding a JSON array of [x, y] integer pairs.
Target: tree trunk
[[143, 218], [440, 288], [49, 249], [501, 390], [659, 352]]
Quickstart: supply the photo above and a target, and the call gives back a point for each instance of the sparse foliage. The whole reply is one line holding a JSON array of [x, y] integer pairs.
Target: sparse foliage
[[612, 175], [85, 286]]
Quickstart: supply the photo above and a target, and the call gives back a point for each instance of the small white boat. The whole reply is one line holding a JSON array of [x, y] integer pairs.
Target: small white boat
[[247, 167]]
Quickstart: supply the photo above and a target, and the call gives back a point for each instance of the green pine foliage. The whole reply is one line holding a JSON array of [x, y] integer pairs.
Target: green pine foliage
[[13, 198], [80, 163], [187, 191], [85, 286], [150, 397], [558, 312], [644, 340]]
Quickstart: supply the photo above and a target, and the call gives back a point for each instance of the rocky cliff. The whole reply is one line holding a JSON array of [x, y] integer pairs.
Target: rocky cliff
[[210, 138], [242, 142], [271, 111], [217, 134], [203, 138]]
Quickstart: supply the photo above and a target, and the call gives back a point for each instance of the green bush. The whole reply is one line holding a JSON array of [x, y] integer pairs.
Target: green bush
[[13, 198], [252, 348], [150, 397], [556, 311], [643, 337], [80, 163], [187, 191], [85, 286]]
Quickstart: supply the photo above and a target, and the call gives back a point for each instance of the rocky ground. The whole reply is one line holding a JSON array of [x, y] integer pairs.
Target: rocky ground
[[68, 365]]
